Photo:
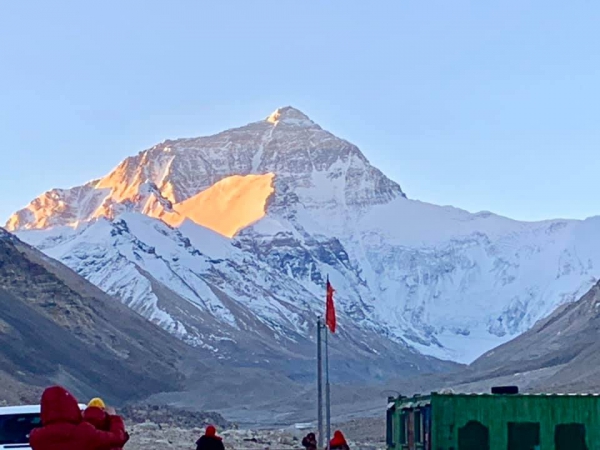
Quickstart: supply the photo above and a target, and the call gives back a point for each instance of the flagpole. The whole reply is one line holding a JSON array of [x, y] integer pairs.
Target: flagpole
[[327, 398], [319, 384]]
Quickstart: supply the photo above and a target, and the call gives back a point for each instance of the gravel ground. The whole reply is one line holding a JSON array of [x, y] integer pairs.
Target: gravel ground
[[152, 436]]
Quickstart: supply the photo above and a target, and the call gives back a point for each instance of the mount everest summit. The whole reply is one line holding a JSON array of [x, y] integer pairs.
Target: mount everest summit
[[226, 241]]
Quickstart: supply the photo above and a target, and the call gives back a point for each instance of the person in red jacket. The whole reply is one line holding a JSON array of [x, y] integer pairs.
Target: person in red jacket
[[338, 442], [63, 427], [210, 440], [95, 413]]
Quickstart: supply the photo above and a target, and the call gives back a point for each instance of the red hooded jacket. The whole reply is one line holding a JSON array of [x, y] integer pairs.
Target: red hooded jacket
[[63, 427], [97, 417], [338, 442], [100, 420]]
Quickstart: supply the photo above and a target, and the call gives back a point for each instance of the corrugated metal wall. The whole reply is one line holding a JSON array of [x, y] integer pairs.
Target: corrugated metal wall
[[453, 412]]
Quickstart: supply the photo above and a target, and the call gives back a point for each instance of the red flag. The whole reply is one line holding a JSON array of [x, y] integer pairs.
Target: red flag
[[330, 311]]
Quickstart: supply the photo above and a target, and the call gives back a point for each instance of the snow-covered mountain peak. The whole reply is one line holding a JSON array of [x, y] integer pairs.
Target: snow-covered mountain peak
[[292, 204], [285, 160], [291, 116]]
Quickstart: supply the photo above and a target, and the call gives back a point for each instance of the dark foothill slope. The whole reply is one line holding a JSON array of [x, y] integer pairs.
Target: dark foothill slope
[[55, 327], [560, 353]]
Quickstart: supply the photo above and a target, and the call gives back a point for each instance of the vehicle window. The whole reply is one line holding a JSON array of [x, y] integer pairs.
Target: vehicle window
[[15, 428]]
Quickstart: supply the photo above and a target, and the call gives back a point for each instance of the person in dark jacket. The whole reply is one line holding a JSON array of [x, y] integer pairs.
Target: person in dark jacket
[[338, 442], [95, 414], [63, 427], [310, 442], [210, 440]]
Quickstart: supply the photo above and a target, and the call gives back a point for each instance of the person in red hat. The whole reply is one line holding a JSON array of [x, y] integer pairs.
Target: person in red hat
[[338, 442], [63, 427], [210, 440]]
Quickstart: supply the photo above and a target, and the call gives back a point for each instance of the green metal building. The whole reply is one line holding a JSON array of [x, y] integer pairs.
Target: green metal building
[[494, 422]]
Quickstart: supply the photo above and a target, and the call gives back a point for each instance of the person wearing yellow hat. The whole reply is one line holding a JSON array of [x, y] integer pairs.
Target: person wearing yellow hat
[[95, 413], [98, 415], [97, 402], [62, 426]]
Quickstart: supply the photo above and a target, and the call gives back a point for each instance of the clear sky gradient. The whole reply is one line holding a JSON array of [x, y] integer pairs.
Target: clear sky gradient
[[478, 104]]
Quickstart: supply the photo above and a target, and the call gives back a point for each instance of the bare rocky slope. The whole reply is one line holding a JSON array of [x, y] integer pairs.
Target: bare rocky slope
[[560, 353], [55, 327]]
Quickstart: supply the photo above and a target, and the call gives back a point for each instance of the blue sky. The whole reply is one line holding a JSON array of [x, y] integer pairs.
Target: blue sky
[[482, 105]]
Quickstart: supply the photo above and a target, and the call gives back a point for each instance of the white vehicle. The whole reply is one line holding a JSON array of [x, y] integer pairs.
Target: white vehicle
[[16, 423]]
